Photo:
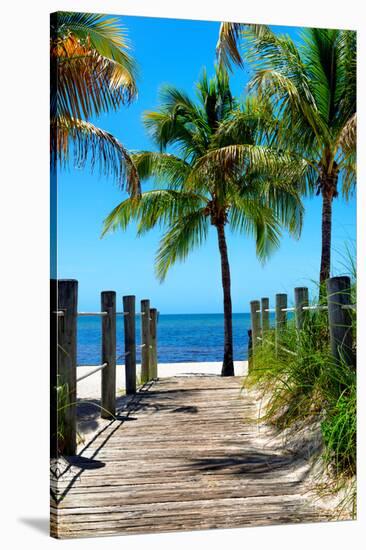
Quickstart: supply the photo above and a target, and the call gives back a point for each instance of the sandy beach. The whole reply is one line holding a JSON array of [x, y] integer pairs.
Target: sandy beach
[[90, 387]]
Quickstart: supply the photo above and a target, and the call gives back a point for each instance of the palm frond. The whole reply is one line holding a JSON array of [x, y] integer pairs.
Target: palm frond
[[347, 56], [294, 108], [348, 136], [93, 70], [252, 122], [93, 145], [165, 128], [158, 207], [348, 176], [257, 219], [165, 168], [227, 47], [185, 234], [105, 35], [243, 158], [322, 58]]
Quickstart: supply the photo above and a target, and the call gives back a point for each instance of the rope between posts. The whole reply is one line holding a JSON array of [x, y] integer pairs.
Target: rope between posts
[[92, 313], [306, 308], [100, 367], [123, 355]]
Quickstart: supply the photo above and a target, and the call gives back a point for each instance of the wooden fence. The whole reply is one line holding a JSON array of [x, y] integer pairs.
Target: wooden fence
[[338, 306], [64, 378]]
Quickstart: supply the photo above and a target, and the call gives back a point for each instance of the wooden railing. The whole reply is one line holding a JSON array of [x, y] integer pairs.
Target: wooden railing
[[64, 379], [338, 306]]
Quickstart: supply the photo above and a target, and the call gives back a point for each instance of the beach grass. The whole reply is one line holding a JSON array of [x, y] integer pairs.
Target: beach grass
[[309, 385]]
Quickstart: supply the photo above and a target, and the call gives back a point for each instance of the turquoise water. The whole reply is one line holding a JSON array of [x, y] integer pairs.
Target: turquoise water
[[181, 338]]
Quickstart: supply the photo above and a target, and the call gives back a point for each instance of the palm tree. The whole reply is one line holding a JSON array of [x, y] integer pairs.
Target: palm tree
[[91, 72], [313, 88], [199, 190]]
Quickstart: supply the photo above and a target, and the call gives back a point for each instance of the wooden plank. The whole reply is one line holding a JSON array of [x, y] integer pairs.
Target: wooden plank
[[185, 454]]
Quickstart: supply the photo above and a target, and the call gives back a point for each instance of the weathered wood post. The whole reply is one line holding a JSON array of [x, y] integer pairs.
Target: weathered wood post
[[256, 326], [340, 319], [281, 316], [66, 371], [130, 343], [108, 401], [250, 350], [153, 344], [265, 314], [145, 341], [301, 300], [256, 321]]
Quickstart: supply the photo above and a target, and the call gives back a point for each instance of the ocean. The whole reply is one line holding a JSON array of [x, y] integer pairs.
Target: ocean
[[181, 338]]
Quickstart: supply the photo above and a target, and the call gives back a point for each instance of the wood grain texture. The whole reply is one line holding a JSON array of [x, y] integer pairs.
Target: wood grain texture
[[129, 308], [145, 341], [66, 364], [108, 304], [153, 344], [184, 453]]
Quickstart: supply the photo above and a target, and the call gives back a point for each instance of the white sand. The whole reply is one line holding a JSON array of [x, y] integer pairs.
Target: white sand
[[90, 387]]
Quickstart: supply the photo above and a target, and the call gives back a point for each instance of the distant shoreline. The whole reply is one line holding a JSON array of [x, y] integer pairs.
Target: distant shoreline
[[182, 338]]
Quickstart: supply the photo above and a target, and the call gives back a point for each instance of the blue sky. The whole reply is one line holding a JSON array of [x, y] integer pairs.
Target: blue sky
[[175, 51]]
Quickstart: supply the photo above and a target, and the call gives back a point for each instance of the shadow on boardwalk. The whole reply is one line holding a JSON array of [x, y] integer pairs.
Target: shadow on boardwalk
[[184, 453]]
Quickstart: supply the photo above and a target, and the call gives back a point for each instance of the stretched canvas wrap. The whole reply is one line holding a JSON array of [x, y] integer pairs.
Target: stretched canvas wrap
[[203, 279]]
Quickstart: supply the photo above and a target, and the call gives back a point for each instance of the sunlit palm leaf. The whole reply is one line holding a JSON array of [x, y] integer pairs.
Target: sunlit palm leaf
[[223, 172], [94, 72], [227, 46], [348, 135], [182, 237], [230, 34], [235, 158], [164, 168], [90, 144], [157, 207]]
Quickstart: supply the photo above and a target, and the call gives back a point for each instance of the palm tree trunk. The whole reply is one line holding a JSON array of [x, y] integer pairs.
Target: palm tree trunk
[[228, 364], [326, 238], [328, 186]]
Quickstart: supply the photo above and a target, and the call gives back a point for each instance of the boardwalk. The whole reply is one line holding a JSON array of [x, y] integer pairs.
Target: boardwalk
[[185, 453]]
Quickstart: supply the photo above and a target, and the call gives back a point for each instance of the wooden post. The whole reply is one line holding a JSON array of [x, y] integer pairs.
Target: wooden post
[[66, 371], [340, 320], [108, 401], [256, 322], [301, 300], [153, 344], [281, 316], [145, 341], [130, 343], [250, 349], [265, 315]]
